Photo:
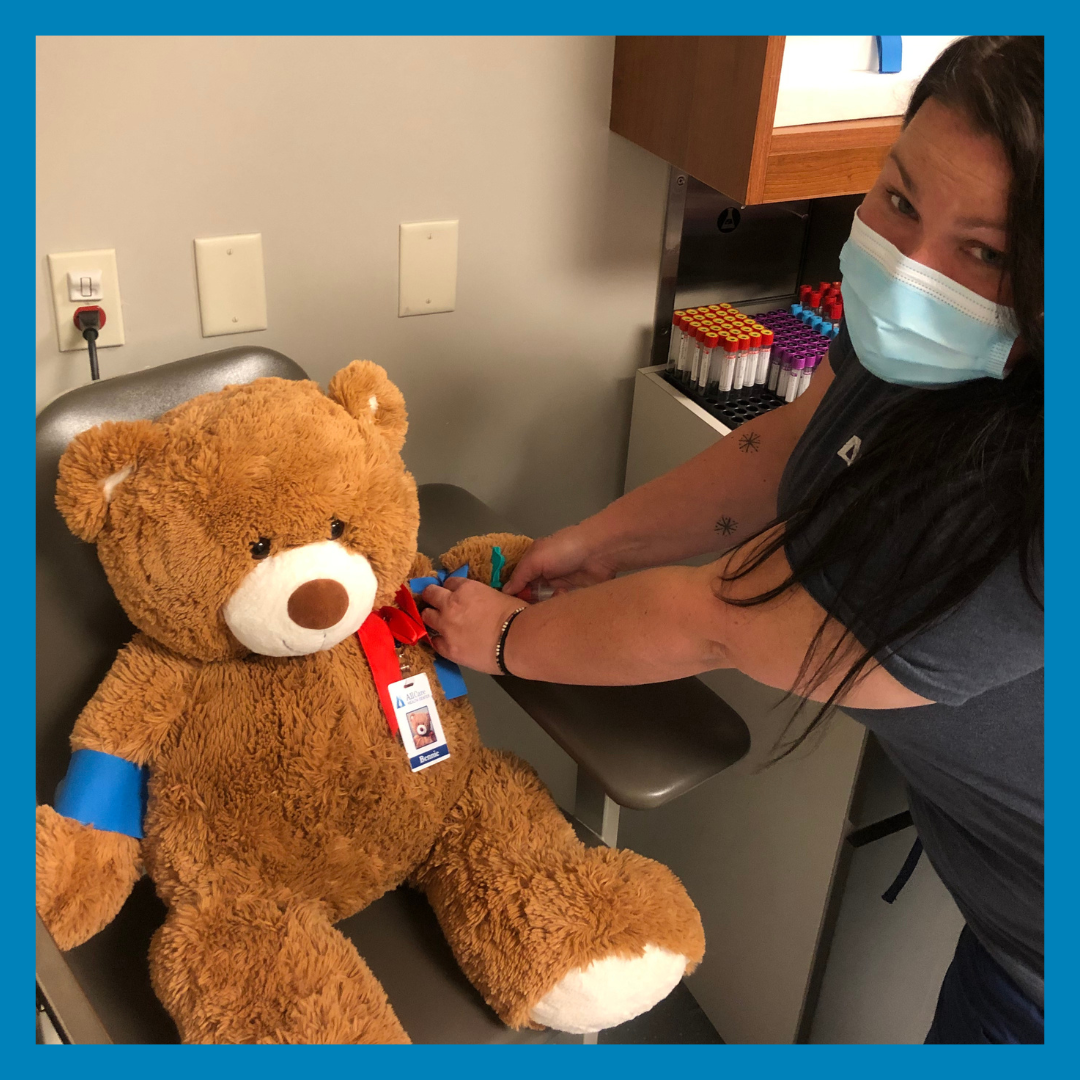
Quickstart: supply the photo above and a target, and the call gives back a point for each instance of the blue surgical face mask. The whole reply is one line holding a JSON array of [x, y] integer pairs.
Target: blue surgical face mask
[[911, 325]]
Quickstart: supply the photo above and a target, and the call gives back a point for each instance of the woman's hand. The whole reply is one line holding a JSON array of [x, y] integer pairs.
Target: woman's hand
[[565, 560], [466, 619]]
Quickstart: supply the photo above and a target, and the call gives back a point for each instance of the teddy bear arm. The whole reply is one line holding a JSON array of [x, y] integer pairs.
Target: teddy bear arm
[[84, 875], [137, 703], [477, 552], [553, 933]]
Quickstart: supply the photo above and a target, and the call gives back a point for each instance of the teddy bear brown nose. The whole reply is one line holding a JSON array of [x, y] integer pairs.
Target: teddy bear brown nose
[[318, 604]]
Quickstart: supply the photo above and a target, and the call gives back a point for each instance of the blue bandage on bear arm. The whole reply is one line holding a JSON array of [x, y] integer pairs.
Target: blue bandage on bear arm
[[104, 791]]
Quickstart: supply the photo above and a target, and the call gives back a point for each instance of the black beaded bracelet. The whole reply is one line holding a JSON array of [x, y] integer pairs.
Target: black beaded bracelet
[[502, 641]]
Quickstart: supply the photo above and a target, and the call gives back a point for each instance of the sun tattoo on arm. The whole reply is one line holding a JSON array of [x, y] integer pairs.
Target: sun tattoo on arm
[[750, 443], [726, 526]]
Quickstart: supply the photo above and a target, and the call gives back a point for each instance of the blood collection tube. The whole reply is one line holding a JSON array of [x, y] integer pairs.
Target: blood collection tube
[[751, 357], [709, 375], [764, 353], [695, 361], [740, 366], [686, 353], [775, 363], [805, 375], [785, 374], [676, 341], [536, 592], [684, 337], [726, 382], [753, 360], [791, 387]]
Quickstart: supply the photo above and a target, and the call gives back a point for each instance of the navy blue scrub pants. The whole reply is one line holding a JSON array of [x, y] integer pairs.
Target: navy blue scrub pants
[[980, 1003]]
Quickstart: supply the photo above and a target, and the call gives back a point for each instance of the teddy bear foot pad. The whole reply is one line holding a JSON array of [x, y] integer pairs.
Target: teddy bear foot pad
[[609, 991]]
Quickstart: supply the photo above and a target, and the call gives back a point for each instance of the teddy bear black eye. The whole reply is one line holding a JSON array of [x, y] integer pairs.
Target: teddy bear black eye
[[336, 529], [261, 548]]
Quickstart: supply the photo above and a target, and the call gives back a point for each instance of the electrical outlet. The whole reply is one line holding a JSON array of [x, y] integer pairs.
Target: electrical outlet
[[100, 268]]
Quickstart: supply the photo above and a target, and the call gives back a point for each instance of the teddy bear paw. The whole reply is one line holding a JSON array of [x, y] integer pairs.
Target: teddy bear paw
[[609, 991]]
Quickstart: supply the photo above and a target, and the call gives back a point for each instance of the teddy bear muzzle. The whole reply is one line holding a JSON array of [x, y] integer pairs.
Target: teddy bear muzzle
[[302, 600]]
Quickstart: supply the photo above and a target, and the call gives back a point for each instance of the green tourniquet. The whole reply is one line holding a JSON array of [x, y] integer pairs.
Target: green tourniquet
[[497, 563]]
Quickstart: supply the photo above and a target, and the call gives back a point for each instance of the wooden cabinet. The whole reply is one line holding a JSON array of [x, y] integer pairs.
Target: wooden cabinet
[[707, 104]]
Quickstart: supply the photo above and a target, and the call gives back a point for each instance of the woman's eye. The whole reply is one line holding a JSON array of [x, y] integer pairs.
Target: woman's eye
[[988, 256], [337, 528], [901, 205], [261, 548]]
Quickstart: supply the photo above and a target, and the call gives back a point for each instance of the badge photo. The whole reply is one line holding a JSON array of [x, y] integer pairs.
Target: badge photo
[[418, 722]]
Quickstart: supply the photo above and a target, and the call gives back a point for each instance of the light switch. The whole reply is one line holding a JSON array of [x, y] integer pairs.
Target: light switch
[[427, 267], [72, 272], [84, 286], [232, 288]]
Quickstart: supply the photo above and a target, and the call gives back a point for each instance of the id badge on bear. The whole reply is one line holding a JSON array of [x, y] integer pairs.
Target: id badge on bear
[[418, 722]]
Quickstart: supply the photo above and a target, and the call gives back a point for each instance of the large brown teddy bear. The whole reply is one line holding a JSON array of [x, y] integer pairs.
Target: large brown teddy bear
[[249, 534]]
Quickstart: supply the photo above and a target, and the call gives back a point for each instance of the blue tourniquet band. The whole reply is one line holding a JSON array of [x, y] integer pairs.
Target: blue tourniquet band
[[104, 791], [448, 673]]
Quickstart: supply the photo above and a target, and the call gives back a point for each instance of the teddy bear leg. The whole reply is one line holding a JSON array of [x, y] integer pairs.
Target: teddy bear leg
[[551, 932], [244, 969]]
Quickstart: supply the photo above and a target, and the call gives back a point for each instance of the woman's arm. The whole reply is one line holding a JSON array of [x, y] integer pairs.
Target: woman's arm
[[654, 626], [707, 504]]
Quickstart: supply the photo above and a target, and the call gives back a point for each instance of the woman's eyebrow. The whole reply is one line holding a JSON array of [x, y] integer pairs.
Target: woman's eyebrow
[[908, 182], [980, 223]]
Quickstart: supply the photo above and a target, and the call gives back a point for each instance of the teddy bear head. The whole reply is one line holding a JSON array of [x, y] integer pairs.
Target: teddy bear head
[[265, 518]]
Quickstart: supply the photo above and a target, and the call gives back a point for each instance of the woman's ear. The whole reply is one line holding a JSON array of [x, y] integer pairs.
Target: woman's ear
[[365, 392], [94, 466]]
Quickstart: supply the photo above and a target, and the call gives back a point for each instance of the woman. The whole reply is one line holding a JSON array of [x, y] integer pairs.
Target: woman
[[893, 522]]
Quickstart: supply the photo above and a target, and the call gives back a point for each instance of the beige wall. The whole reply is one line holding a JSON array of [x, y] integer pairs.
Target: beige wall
[[324, 145]]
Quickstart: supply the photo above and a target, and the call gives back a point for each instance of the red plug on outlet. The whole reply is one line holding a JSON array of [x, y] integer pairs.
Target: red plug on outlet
[[84, 318], [88, 321]]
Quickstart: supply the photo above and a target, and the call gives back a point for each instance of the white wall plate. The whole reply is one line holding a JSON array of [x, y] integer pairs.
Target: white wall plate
[[232, 286], [427, 276]]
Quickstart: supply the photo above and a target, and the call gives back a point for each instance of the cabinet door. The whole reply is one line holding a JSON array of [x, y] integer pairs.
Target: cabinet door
[[708, 105], [704, 104]]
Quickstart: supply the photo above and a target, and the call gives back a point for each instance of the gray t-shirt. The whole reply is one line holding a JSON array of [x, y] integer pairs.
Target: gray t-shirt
[[973, 761]]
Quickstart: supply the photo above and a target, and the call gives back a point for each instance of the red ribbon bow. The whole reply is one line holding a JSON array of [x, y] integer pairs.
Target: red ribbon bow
[[377, 636]]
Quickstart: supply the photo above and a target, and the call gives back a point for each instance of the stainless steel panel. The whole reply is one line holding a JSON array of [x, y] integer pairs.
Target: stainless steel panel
[[737, 253], [669, 262]]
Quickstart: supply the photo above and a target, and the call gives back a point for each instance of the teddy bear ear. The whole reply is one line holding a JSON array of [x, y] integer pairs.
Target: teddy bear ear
[[366, 392], [94, 466]]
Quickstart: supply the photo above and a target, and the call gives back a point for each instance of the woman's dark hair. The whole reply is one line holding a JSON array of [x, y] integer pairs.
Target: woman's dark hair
[[953, 476]]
